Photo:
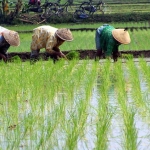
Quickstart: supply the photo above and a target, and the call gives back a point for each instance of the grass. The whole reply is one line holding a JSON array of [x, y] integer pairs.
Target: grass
[[70, 105], [128, 114], [76, 104], [138, 40], [72, 55], [29, 27]]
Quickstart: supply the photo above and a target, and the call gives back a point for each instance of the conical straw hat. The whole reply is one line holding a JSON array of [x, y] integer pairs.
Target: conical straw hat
[[121, 35], [65, 34], [11, 37]]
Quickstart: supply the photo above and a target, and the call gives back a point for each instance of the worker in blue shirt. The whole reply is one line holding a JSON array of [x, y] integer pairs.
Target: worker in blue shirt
[[7, 38]]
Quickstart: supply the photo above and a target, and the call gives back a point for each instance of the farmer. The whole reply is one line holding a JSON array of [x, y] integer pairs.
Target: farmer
[[7, 38], [108, 39], [49, 38]]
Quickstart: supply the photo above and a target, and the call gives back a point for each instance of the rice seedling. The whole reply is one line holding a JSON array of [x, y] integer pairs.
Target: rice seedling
[[104, 112], [51, 106], [128, 115], [76, 123], [72, 55], [136, 91]]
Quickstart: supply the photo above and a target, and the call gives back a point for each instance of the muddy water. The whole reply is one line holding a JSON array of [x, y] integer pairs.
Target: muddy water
[[115, 136]]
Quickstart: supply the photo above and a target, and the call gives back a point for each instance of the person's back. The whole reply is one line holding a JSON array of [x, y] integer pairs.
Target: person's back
[[46, 29], [108, 42], [108, 39]]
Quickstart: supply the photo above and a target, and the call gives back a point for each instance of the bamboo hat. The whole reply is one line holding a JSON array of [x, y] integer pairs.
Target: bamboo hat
[[11, 37], [65, 34], [121, 35]]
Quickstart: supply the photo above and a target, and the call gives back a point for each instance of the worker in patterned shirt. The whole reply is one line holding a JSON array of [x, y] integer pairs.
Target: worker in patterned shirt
[[49, 38], [7, 38], [108, 39]]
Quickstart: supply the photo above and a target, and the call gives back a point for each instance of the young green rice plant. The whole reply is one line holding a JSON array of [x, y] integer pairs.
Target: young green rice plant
[[104, 112], [127, 56], [29, 27], [145, 70], [137, 40], [73, 73], [144, 67], [59, 81], [81, 37], [64, 73], [37, 95], [52, 122], [76, 122], [25, 41], [128, 115], [136, 91], [72, 55], [48, 106]]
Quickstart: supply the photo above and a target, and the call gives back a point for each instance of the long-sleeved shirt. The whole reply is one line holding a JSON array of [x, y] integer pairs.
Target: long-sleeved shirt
[[3, 43], [44, 37], [2, 40], [108, 43]]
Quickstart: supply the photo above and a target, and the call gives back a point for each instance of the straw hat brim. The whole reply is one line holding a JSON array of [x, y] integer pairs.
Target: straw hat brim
[[11, 37], [64, 34], [121, 35]]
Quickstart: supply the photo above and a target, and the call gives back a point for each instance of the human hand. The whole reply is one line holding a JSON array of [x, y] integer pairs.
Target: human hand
[[60, 54], [3, 57], [56, 49], [115, 56]]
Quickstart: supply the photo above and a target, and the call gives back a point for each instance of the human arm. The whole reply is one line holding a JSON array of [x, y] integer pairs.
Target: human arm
[[58, 52], [115, 55], [3, 57], [52, 47], [55, 52], [112, 49], [4, 46]]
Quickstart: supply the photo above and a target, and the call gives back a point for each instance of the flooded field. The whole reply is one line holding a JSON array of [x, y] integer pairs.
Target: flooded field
[[76, 105]]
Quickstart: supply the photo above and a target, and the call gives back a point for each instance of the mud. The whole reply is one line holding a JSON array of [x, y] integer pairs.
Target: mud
[[84, 54]]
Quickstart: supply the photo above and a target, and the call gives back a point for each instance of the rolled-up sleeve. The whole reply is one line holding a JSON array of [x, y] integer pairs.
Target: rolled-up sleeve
[[1, 39]]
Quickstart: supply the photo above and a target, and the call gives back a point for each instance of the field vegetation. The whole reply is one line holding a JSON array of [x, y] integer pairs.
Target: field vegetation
[[111, 6], [139, 37], [75, 105], [135, 10]]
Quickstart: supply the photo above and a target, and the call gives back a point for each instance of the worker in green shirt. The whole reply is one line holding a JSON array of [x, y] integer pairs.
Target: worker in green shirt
[[108, 39]]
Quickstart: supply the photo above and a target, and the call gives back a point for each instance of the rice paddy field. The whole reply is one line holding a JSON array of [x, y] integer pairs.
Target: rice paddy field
[[139, 36], [77, 104]]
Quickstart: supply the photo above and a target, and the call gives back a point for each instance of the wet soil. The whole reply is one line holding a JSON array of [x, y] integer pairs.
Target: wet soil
[[84, 54]]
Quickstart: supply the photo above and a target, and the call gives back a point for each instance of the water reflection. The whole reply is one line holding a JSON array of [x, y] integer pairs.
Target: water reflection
[[87, 142]]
